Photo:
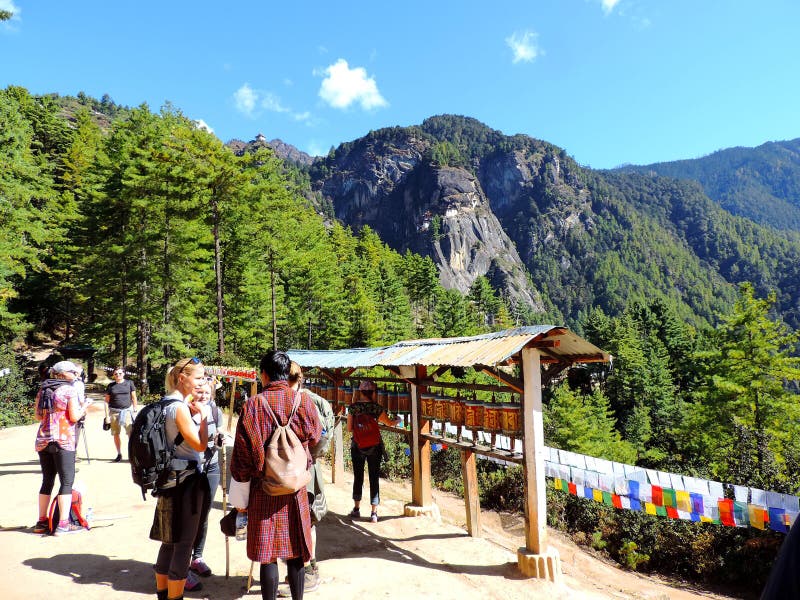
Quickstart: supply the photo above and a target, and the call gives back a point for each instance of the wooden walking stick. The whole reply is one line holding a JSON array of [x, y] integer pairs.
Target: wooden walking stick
[[224, 457]]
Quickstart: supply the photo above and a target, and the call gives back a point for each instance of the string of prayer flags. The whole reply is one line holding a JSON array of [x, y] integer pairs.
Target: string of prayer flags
[[658, 493]]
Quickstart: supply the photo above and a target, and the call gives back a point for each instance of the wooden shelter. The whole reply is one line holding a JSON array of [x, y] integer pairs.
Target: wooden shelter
[[541, 352]]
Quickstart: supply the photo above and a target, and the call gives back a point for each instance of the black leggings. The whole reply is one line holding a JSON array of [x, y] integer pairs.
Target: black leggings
[[269, 579], [55, 460], [191, 507]]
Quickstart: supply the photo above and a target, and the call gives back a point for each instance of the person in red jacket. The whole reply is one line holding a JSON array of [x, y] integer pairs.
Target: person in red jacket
[[277, 526]]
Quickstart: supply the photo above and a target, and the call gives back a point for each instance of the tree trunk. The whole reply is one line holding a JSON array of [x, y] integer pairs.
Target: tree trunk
[[218, 270]]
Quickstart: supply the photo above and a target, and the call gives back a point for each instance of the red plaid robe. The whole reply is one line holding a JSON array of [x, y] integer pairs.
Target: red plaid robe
[[277, 526]]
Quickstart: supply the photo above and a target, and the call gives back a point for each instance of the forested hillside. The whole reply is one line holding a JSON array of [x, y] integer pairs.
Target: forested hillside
[[457, 191], [762, 183]]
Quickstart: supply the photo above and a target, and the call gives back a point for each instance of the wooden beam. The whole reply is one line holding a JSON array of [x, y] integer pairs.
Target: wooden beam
[[471, 493], [511, 382], [475, 448], [544, 344], [428, 382], [535, 494]]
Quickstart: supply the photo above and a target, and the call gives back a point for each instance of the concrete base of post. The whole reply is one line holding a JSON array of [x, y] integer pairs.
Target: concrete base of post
[[541, 566], [431, 510]]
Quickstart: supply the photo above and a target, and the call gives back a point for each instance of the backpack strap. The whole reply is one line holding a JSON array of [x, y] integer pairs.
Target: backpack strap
[[167, 401], [295, 406]]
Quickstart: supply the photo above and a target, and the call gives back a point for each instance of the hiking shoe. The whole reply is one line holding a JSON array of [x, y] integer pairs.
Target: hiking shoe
[[119, 458], [373, 517], [355, 513], [192, 582], [310, 583], [41, 526], [311, 579], [69, 528], [200, 567]]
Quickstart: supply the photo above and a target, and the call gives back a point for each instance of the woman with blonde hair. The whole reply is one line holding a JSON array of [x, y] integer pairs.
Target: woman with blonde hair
[[181, 508]]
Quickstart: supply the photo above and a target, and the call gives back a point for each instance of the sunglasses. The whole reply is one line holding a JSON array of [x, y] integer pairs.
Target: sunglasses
[[193, 361]]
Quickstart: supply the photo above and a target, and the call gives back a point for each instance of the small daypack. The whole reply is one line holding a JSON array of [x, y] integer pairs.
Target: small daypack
[[148, 451], [366, 431], [285, 458], [328, 421], [75, 513]]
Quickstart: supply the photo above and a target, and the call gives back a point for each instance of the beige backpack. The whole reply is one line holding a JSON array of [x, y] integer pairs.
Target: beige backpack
[[285, 458]]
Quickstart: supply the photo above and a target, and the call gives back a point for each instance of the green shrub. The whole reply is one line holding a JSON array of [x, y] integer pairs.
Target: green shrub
[[16, 397]]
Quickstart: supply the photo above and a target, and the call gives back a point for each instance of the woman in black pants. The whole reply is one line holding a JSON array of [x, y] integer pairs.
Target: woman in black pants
[[371, 453], [58, 409], [203, 396], [182, 508]]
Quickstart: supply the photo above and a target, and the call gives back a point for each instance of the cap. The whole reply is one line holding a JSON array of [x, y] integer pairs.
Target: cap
[[366, 386], [66, 366]]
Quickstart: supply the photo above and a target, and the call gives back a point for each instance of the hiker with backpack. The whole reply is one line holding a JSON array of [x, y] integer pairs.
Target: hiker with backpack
[[182, 491], [318, 507], [58, 408], [363, 417], [271, 452]]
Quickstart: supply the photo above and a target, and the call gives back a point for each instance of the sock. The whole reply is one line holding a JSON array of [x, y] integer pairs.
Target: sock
[[161, 594]]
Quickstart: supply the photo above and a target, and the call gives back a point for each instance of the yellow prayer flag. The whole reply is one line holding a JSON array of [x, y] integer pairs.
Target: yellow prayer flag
[[756, 516], [684, 500], [649, 508], [597, 495]]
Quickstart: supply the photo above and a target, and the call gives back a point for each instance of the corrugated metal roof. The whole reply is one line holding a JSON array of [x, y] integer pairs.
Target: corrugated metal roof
[[489, 349]]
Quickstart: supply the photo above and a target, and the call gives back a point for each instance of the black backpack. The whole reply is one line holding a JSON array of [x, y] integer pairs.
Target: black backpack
[[149, 453]]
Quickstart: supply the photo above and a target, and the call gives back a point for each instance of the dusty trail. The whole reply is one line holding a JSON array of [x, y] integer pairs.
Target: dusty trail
[[398, 557]]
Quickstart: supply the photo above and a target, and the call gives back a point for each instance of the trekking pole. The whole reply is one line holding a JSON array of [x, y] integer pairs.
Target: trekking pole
[[224, 456]]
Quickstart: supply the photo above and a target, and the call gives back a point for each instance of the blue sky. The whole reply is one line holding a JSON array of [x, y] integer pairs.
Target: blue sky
[[610, 81]]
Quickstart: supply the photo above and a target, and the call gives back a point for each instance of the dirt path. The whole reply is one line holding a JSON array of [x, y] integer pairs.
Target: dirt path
[[398, 558]]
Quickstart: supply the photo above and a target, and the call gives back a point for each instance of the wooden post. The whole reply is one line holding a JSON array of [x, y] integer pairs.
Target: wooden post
[[535, 559], [337, 468], [533, 453], [422, 498], [471, 495]]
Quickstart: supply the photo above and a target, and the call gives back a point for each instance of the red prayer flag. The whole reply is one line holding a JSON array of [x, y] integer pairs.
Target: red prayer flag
[[658, 495], [726, 512], [616, 500], [672, 512], [573, 489]]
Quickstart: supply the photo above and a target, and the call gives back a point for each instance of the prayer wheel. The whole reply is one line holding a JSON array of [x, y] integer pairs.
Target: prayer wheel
[[473, 414], [427, 405], [511, 418], [391, 401], [382, 398], [492, 417], [403, 402], [455, 412], [440, 404]]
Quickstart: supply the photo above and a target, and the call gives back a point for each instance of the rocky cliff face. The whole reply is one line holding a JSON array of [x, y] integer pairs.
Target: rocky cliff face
[[443, 212]]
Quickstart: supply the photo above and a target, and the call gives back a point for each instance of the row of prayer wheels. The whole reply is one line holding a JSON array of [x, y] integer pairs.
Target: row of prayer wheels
[[491, 417], [395, 400]]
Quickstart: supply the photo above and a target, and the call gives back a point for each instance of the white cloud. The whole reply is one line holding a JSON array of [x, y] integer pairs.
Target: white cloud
[[344, 86], [524, 46], [203, 125], [10, 7], [245, 99], [272, 103], [608, 5], [302, 117]]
